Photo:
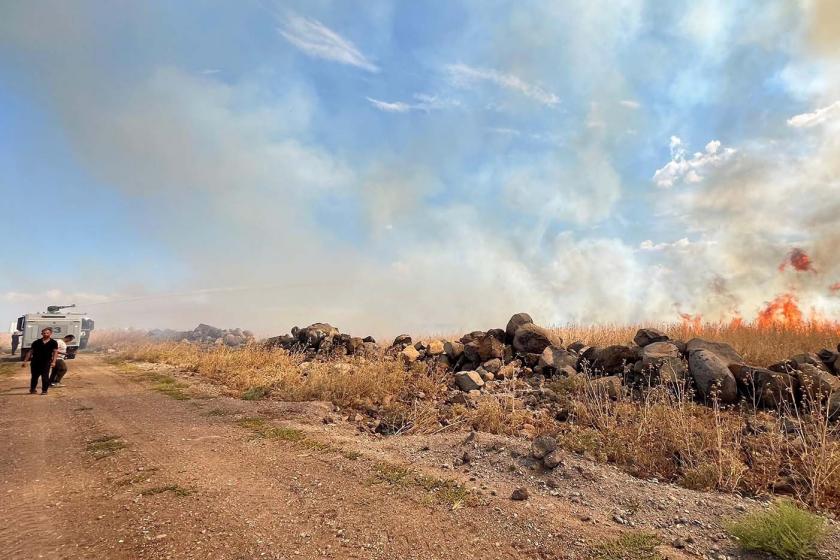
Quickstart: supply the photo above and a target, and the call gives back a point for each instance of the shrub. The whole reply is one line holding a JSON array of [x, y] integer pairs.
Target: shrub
[[784, 530]]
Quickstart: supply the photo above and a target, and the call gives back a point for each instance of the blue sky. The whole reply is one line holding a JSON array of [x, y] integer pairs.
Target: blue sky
[[417, 165]]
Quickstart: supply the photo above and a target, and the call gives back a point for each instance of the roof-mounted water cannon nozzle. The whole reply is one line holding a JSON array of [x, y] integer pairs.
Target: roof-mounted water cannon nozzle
[[57, 308]]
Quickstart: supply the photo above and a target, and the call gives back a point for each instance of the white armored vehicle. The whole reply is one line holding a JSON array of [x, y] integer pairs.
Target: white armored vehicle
[[62, 324]]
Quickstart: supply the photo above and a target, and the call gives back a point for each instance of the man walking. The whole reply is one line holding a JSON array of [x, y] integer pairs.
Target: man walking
[[41, 356], [60, 367]]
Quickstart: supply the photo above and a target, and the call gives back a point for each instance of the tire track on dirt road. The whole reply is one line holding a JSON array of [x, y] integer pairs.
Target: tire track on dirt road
[[190, 485]]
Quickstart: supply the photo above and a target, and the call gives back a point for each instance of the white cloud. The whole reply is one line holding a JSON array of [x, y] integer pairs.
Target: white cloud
[[807, 120], [390, 107], [315, 39], [463, 76], [630, 104], [423, 102], [681, 169]]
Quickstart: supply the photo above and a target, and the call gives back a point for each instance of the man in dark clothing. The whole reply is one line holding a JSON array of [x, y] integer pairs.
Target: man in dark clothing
[[15, 341], [41, 356]]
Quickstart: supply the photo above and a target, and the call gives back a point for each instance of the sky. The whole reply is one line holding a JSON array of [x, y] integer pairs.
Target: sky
[[429, 166]]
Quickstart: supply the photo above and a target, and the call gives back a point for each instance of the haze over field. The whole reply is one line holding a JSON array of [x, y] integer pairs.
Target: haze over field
[[419, 166]]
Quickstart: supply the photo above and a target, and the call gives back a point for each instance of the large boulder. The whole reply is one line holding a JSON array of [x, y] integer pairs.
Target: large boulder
[[829, 358], [315, 334], [555, 358], [833, 406], [207, 331], [765, 387], [469, 380], [809, 358], [514, 323], [532, 339], [434, 348], [613, 359], [491, 347], [662, 361], [471, 352], [453, 349], [649, 336], [409, 354], [660, 350], [816, 383], [720, 349], [401, 341], [712, 376]]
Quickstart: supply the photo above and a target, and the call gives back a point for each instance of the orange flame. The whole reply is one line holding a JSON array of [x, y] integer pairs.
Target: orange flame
[[783, 311], [692, 321], [799, 260]]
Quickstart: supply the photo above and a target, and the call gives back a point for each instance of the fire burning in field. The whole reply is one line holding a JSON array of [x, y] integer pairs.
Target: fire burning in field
[[782, 311], [799, 260]]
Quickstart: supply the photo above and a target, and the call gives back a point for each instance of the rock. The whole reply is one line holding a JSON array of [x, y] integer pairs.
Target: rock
[[469, 337], [808, 358], [231, 339], [833, 406], [355, 345], [542, 446], [607, 386], [553, 459], [514, 323], [764, 387], [649, 336], [469, 380], [369, 339], [577, 347], [711, 375], [662, 361], [556, 358], [409, 354], [721, 349], [315, 334], [490, 347], [816, 384], [531, 339], [207, 331], [434, 348], [471, 352], [507, 371], [453, 349], [493, 366], [498, 334], [520, 494], [828, 359], [672, 371], [402, 341], [612, 359], [658, 350]]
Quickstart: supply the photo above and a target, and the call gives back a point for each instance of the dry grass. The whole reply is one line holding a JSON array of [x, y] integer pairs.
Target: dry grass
[[759, 345], [656, 434]]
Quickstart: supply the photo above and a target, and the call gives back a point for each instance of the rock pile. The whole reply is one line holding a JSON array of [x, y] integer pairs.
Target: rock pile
[[206, 334], [322, 340], [481, 361]]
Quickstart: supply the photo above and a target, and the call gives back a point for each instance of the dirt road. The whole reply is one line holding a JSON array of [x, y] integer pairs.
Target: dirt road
[[108, 467]]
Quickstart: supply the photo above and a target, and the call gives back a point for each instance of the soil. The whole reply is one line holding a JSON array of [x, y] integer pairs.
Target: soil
[[115, 464]]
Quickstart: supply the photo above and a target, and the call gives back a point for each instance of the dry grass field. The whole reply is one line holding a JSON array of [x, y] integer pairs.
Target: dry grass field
[[661, 435]]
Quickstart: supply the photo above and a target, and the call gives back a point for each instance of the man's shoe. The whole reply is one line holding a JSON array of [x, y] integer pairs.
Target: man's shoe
[[32, 392], [43, 392]]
